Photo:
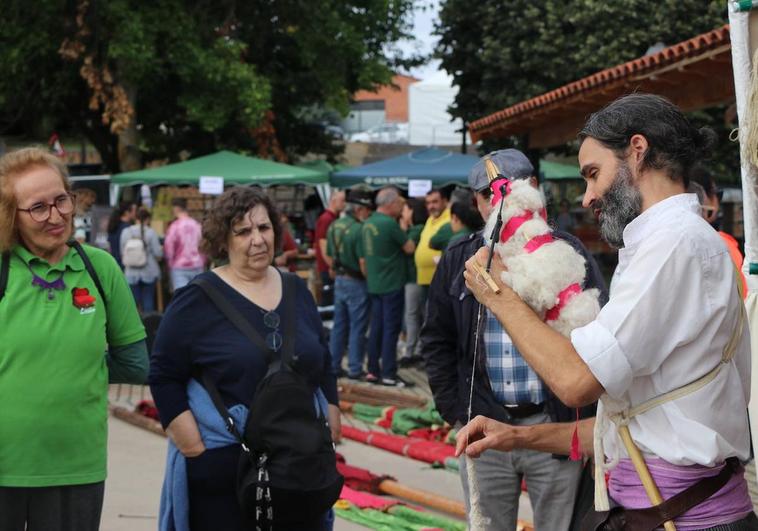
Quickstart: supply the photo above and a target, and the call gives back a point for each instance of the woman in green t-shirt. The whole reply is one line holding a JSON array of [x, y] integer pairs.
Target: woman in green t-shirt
[[61, 308]]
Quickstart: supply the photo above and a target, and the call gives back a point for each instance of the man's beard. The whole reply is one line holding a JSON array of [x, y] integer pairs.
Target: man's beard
[[618, 206]]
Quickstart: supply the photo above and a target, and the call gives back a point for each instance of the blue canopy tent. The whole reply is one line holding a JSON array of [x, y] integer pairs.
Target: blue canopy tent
[[439, 166]]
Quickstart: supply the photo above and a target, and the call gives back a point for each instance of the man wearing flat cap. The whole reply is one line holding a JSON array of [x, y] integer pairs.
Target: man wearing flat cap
[[505, 387], [351, 302]]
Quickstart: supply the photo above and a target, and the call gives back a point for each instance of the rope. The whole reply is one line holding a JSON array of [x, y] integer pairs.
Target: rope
[[477, 521]]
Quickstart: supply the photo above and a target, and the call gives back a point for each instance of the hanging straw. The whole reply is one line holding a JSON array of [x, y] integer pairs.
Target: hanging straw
[[750, 137]]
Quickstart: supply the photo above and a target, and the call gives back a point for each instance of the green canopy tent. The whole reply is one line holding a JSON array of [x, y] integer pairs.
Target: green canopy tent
[[562, 180], [556, 171], [234, 168]]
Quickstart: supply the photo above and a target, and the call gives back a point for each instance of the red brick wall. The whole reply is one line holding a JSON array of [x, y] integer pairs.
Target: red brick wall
[[395, 97]]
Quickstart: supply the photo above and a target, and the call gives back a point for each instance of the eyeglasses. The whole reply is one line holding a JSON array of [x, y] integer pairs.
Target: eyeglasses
[[273, 338], [40, 212]]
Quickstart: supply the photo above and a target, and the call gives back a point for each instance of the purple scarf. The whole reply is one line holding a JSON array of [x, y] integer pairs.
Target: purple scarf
[[729, 504]]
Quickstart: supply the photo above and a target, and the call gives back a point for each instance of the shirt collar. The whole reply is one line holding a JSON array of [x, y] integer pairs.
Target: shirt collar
[[71, 260], [641, 226]]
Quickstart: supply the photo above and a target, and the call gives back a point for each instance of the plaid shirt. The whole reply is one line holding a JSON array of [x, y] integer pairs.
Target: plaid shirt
[[513, 381]]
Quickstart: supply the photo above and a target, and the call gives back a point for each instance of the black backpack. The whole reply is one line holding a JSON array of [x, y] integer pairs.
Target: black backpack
[[288, 468], [5, 265]]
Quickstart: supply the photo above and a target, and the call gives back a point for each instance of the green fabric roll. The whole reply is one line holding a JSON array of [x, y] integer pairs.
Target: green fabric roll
[[407, 419], [426, 519]]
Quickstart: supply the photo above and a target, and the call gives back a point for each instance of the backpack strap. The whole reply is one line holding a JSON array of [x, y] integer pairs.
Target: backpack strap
[[289, 318], [235, 317], [5, 265], [242, 324], [89, 267], [218, 403]]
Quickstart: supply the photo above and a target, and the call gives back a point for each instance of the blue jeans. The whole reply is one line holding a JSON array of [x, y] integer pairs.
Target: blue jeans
[[386, 320], [144, 295], [182, 277], [351, 305]]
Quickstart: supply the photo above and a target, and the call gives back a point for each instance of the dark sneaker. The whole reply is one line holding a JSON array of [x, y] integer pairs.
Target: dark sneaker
[[396, 382], [371, 378], [341, 373], [359, 376]]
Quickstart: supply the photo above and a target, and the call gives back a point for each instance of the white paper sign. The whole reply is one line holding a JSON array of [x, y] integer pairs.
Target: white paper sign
[[211, 185], [419, 187]]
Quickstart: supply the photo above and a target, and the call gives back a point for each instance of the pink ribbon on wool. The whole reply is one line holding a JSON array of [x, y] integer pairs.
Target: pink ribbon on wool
[[563, 298], [495, 186], [513, 224], [537, 242]]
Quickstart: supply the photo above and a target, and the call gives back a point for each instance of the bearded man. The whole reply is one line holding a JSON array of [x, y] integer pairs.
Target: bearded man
[[505, 387], [674, 322]]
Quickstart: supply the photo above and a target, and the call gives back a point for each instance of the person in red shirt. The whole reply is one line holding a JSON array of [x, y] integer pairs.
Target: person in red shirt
[[285, 257], [323, 262]]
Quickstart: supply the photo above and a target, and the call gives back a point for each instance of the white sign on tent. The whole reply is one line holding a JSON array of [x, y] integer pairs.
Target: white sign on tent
[[419, 187], [211, 185]]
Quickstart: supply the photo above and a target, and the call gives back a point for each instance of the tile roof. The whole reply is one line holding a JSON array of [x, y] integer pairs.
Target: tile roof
[[648, 65]]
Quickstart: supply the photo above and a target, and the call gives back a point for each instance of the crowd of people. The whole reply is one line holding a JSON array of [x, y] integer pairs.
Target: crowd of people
[[138, 250], [382, 254], [655, 388]]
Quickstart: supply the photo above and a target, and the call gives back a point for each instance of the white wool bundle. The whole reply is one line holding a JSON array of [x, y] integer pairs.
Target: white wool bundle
[[546, 273]]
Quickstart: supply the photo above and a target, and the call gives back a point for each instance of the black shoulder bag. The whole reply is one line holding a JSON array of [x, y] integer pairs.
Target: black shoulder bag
[[288, 468]]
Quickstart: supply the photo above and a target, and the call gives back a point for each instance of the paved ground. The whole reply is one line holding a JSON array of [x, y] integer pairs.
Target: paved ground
[[136, 461]]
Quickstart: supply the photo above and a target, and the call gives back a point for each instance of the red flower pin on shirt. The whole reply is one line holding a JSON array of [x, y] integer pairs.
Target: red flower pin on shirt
[[82, 298]]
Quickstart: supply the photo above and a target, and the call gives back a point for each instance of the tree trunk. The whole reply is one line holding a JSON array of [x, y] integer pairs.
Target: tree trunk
[[129, 155]]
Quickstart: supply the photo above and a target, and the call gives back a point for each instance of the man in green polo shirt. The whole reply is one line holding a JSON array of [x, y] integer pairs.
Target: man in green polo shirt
[[385, 245], [351, 303]]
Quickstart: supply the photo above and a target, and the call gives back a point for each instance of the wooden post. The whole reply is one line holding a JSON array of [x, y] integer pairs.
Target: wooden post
[[651, 489]]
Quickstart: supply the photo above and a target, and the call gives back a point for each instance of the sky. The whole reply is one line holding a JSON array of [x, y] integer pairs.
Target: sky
[[423, 25]]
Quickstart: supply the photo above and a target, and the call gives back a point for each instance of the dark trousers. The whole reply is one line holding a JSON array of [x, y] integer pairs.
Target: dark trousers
[[386, 320], [327, 289], [64, 508], [144, 295], [211, 480], [749, 523]]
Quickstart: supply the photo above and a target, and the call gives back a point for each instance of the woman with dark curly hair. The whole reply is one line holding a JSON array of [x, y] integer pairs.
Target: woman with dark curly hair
[[195, 337]]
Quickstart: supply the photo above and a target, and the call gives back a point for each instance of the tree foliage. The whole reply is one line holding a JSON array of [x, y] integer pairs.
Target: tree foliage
[[176, 75], [501, 52]]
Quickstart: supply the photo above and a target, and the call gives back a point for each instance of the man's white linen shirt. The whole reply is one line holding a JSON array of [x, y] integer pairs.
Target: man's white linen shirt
[[673, 307]]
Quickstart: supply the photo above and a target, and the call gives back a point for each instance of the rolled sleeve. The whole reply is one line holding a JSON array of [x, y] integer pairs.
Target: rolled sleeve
[[600, 350]]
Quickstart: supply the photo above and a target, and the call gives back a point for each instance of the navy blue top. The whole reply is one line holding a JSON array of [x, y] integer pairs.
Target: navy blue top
[[114, 240], [195, 334]]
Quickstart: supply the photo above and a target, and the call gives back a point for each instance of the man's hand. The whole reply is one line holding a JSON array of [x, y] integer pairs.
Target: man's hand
[[335, 422], [476, 283], [486, 434]]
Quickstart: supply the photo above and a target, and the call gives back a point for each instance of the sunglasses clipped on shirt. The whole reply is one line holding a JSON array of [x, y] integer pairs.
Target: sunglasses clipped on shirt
[[273, 338]]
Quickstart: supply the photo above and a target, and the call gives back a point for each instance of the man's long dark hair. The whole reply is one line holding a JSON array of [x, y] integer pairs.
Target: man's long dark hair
[[675, 145]]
